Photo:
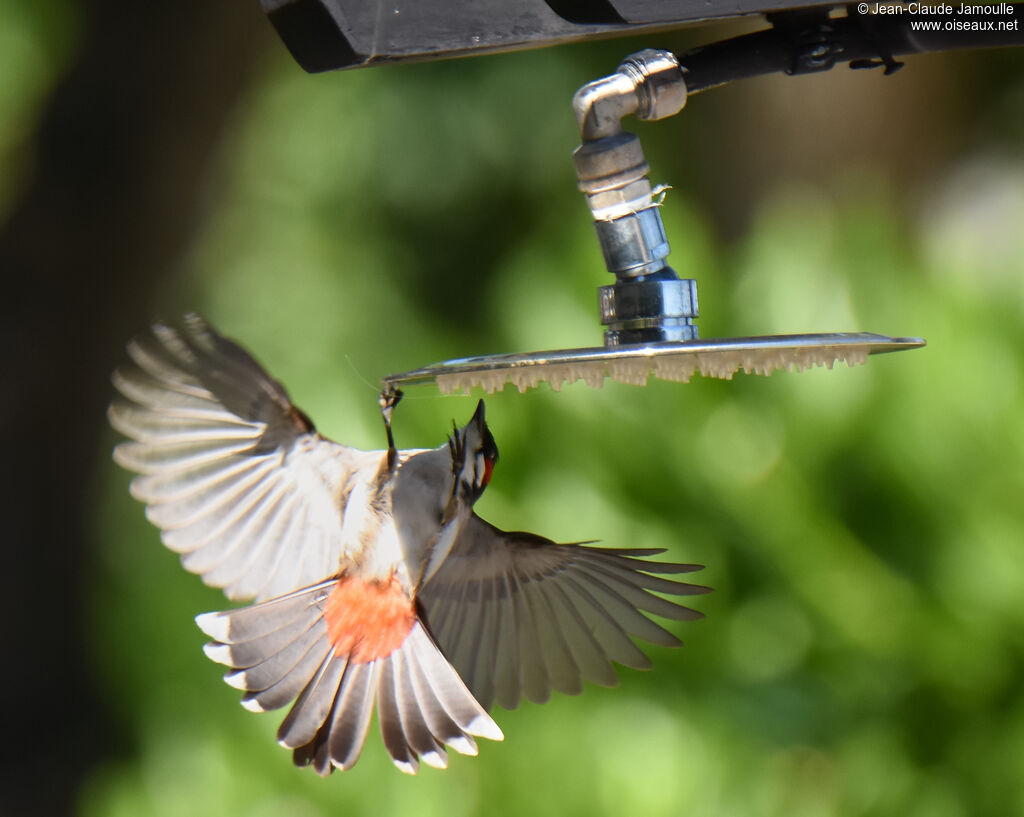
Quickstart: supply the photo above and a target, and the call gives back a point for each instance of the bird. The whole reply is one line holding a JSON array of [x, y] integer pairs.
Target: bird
[[371, 583]]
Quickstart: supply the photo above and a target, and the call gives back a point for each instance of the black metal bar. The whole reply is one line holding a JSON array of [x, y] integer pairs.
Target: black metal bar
[[329, 34], [802, 42]]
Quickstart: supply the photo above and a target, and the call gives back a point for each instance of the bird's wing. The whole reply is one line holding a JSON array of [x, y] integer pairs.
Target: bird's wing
[[519, 615], [235, 476]]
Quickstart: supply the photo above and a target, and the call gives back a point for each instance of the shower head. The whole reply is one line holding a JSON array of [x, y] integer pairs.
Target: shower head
[[675, 361], [649, 311]]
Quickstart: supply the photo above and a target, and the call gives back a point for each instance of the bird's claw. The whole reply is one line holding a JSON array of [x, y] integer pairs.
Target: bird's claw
[[389, 398]]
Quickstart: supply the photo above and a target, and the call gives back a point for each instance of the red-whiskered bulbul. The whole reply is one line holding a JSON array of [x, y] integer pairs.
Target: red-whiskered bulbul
[[373, 580]]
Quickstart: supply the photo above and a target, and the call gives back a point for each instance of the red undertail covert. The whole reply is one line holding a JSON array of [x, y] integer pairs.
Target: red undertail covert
[[368, 618]]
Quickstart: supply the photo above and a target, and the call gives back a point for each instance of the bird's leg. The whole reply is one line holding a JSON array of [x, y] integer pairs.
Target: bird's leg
[[389, 398]]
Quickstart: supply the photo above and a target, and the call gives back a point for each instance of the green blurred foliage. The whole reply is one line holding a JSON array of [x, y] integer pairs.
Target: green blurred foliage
[[862, 527], [35, 44]]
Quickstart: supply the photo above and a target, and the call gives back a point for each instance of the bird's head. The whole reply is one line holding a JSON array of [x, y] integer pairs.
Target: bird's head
[[435, 490], [433, 487], [473, 454]]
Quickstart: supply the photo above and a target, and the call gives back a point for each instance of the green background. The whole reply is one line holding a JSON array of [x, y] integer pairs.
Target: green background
[[862, 652]]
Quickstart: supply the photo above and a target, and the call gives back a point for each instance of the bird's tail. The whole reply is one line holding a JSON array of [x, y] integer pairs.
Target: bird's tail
[[335, 648]]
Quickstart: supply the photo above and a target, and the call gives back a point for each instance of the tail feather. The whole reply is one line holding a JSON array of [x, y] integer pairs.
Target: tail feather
[[351, 718], [256, 673], [280, 651], [260, 650], [321, 756], [263, 697], [248, 623], [449, 691], [436, 717], [415, 725], [315, 754], [314, 703], [391, 728]]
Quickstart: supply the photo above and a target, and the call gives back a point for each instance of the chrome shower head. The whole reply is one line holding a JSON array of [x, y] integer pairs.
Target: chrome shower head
[[676, 361], [649, 311]]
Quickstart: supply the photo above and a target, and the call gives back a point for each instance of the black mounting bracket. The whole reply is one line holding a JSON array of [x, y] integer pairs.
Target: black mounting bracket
[[328, 34]]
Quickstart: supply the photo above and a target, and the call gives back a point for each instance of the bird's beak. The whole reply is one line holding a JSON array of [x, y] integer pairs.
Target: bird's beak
[[478, 416]]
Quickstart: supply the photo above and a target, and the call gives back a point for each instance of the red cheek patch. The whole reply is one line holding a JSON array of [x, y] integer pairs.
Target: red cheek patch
[[368, 619], [488, 470]]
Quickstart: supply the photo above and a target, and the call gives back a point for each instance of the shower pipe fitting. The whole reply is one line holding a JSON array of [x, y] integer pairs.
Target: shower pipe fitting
[[648, 302]]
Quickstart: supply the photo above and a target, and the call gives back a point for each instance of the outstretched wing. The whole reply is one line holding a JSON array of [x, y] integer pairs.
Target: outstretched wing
[[235, 476], [519, 615]]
